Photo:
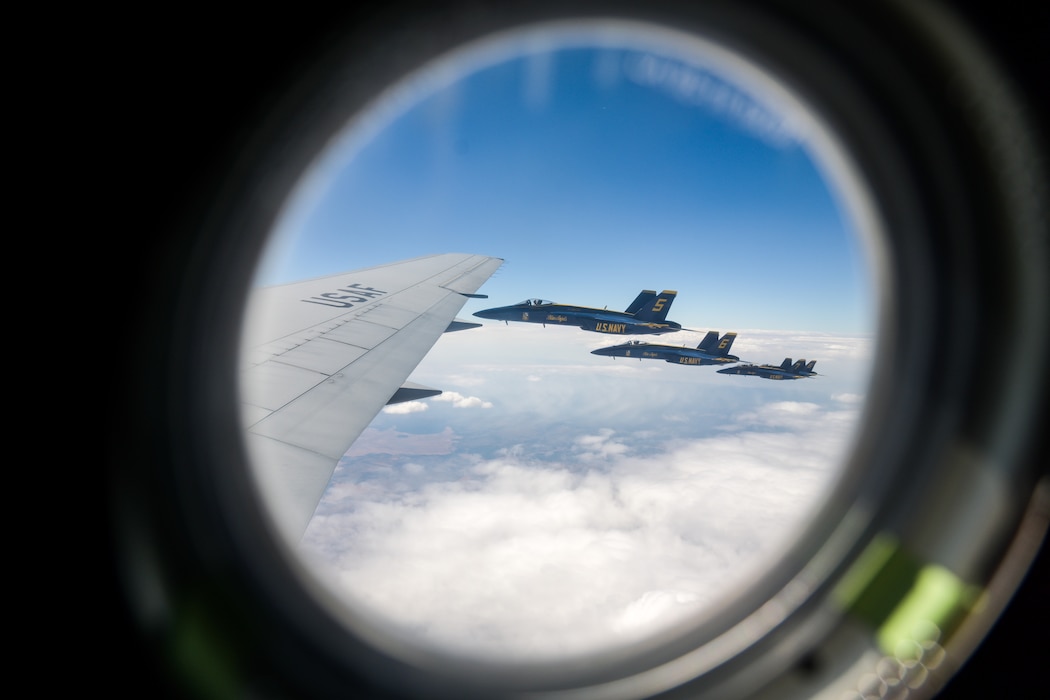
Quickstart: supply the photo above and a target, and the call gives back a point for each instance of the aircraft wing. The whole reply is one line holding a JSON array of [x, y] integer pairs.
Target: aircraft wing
[[321, 358]]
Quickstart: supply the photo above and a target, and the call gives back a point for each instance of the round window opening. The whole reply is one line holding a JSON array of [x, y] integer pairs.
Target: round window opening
[[654, 396]]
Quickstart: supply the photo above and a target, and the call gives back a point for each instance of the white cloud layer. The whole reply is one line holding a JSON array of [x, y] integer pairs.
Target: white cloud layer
[[597, 502], [460, 401], [522, 557], [405, 407]]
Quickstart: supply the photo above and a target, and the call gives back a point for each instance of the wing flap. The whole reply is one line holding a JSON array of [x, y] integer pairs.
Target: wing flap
[[410, 391]]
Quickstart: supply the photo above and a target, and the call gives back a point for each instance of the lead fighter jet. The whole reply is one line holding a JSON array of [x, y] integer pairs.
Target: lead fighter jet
[[710, 351], [647, 315], [786, 370]]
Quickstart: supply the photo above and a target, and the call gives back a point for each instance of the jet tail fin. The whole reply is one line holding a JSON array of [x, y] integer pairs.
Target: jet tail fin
[[808, 369], [643, 298], [656, 308], [797, 367], [709, 343], [712, 345], [786, 364]]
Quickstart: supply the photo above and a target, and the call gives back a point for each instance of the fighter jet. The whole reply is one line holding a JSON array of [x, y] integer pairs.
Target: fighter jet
[[646, 315], [710, 351], [786, 370]]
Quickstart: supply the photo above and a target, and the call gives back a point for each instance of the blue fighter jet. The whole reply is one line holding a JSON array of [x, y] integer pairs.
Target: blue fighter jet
[[710, 351], [647, 315], [786, 370]]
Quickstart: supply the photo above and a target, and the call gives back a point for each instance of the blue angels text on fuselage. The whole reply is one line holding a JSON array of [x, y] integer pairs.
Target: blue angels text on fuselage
[[647, 315], [710, 351], [786, 370]]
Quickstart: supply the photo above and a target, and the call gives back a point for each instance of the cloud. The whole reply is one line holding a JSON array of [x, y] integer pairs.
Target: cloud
[[797, 415], [771, 347], [599, 501], [460, 401], [600, 446], [540, 551], [405, 407]]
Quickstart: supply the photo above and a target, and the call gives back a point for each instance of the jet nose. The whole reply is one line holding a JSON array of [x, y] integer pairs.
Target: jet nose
[[485, 313]]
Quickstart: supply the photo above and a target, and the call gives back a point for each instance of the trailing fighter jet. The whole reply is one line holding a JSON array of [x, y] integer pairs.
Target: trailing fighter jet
[[710, 351], [646, 315], [786, 370]]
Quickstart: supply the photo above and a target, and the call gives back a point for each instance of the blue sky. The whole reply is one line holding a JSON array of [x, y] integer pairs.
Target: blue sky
[[594, 501], [595, 174]]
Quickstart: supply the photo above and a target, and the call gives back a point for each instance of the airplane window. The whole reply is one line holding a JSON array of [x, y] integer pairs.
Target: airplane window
[[753, 450], [597, 501]]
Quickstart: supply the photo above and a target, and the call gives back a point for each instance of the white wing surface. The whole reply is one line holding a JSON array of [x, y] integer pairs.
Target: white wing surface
[[322, 357]]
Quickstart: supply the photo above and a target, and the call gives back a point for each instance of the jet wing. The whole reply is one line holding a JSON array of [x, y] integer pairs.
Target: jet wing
[[321, 358]]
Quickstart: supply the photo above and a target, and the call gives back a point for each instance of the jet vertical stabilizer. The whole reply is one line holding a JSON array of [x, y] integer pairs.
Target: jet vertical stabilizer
[[644, 297], [655, 310], [709, 343]]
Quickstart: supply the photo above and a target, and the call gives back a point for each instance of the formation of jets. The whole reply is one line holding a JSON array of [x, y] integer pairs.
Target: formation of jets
[[647, 315], [323, 356]]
